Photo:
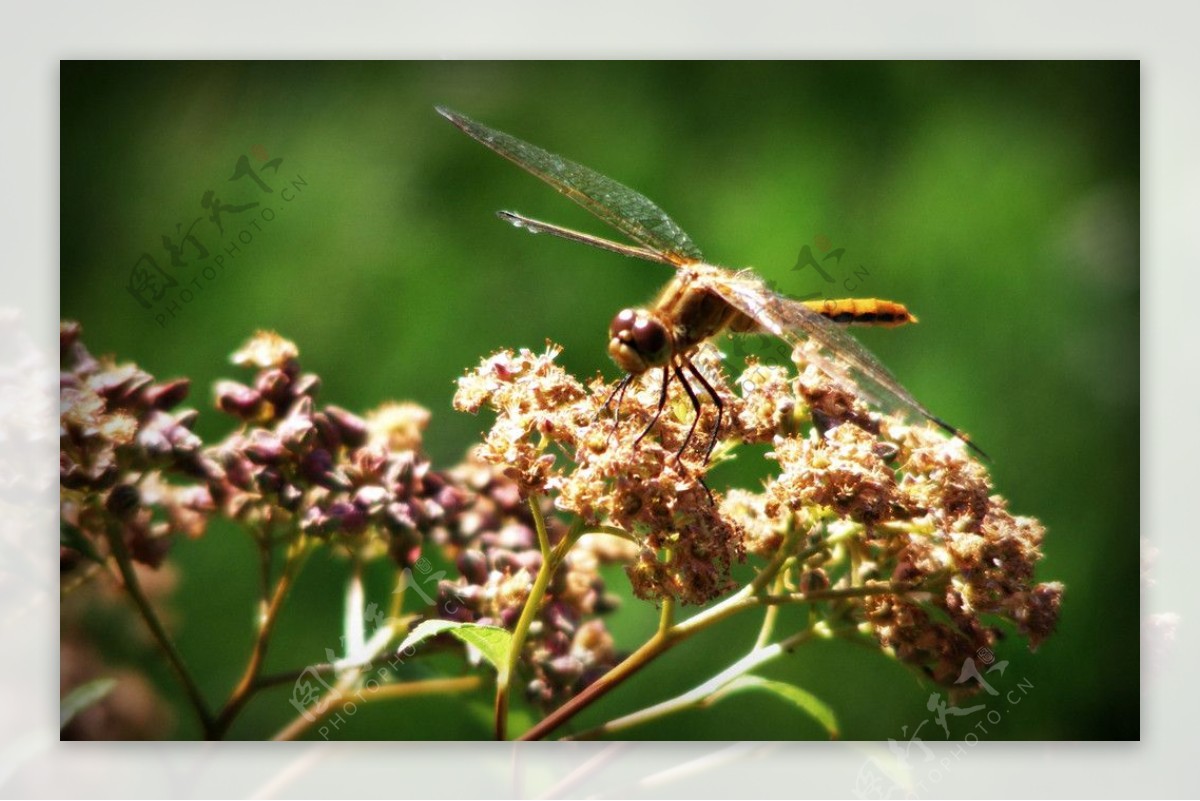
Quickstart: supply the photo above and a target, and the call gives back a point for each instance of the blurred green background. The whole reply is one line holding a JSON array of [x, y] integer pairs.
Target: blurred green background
[[998, 200]]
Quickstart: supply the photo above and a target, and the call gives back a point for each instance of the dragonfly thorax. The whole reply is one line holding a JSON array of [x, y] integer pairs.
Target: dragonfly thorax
[[638, 341]]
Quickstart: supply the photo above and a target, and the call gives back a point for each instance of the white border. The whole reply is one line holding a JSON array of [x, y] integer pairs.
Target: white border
[[34, 37]]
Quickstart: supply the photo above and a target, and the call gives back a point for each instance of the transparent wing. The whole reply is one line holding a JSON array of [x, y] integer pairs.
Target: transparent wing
[[626, 210], [840, 356]]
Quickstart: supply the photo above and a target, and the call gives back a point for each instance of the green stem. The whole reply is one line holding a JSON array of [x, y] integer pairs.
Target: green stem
[[532, 604], [323, 707], [703, 694], [134, 589], [666, 617], [771, 616], [844, 592], [248, 685], [664, 640]]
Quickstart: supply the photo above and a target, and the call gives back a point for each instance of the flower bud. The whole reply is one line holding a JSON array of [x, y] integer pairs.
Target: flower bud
[[347, 517], [238, 400], [398, 517], [123, 501], [297, 430], [351, 427], [143, 546], [564, 670], [316, 466], [183, 441], [187, 418], [328, 436], [472, 565], [370, 497], [264, 447], [538, 692], [239, 470], [516, 537], [509, 616], [68, 335], [307, 385], [166, 395], [274, 385]]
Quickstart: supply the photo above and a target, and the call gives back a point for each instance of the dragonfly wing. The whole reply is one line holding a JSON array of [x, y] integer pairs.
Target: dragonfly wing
[[625, 209], [837, 354]]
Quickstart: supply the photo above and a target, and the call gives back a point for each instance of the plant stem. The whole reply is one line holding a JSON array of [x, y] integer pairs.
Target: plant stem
[[667, 617], [703, 694], [532, 604], [665, 639], [317, 712], [770, 616], [248, 684], [290, 676], [661, 641], [643, 656], [397, 601], [843, 592], [134, 589]]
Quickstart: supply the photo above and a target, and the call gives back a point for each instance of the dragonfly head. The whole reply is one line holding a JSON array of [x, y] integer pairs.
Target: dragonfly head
[[638, 341]]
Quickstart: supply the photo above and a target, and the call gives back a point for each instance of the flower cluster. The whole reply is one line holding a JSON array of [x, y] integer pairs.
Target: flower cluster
[[894, 520], [493, 541], [363, 482], [554, 436], [118, 440], [884, 529], [948, 552]]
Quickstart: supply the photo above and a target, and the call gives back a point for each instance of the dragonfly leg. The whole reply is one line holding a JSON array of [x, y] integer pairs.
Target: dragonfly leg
[[662, 401], [691, 393], [712, 393], [619, 393], [620, 387]]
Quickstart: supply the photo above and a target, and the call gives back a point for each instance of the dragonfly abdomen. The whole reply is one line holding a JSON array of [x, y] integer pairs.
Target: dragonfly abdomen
[[862, 311], [846, 311]]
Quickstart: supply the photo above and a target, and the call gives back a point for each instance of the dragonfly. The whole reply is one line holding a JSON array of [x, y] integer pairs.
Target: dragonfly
[[703, 300]]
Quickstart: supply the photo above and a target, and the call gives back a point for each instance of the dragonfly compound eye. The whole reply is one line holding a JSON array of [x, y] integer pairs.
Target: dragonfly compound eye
[[638, 341]]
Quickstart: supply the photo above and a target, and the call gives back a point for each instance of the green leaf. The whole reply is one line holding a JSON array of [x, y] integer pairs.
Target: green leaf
[[802, 699], [83, 697], [491, 641]]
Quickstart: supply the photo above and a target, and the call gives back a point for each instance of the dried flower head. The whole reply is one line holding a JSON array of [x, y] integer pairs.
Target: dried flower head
[[554, 436], [492, 539], [895, 517], [118, 441], [363, 483]]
